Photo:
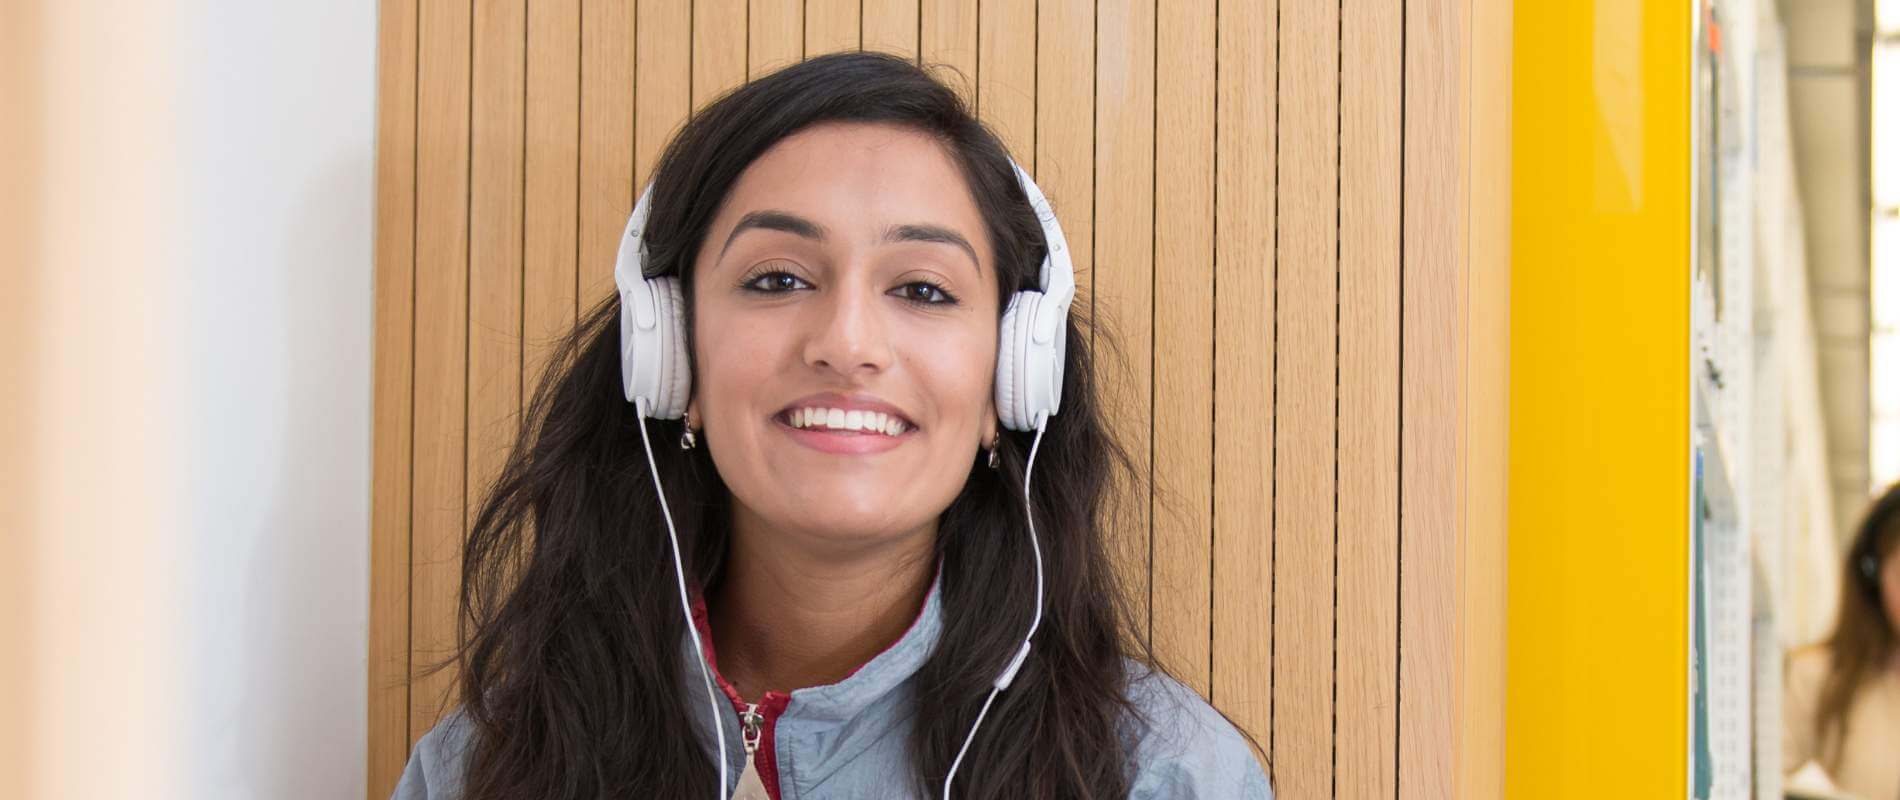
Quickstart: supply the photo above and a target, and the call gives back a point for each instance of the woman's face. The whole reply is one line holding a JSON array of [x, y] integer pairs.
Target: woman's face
[[845, 328]]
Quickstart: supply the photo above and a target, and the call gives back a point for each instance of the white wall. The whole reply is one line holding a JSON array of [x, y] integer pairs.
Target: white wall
[[194, 483]]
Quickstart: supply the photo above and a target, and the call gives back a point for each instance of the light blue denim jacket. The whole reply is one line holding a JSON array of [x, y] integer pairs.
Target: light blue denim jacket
[[847, 740]]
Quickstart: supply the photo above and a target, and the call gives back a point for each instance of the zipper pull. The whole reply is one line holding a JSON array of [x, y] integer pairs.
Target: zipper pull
[[750, 786]]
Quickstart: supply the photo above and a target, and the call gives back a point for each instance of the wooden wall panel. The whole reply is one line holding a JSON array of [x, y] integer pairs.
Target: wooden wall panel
[[441, 348], [1184, 318], [1365, 736], [1245, 306], [1431, 441], [1124, 273], [830, 26], [498, 117], [1270, 203], [719, 48], [552, 212], [1305, 392], [608, 187], [890, 26], [778, 35], [947, 30], [393, 427]]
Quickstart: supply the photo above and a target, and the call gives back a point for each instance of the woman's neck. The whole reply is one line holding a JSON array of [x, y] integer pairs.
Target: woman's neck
[[785, 617]]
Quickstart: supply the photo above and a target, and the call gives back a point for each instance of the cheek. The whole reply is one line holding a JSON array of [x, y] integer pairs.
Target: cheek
[[959, 373]]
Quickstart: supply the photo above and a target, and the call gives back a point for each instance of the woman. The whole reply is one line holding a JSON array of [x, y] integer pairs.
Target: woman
[[1843, 695], [849, 507]]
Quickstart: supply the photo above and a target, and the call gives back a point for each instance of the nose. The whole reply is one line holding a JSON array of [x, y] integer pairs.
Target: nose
[[846, 333]]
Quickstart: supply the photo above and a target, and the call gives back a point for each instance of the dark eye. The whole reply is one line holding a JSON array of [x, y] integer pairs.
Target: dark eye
[[926, 293], [775, 282]]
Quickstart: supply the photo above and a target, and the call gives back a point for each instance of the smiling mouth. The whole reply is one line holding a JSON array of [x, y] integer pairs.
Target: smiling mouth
[[838, 420]]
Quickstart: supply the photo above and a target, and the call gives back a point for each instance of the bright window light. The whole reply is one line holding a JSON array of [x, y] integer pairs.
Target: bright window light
[[1884, 352]]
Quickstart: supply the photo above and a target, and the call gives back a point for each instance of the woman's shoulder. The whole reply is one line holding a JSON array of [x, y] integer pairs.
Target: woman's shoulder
[[436, 762], [1183, 748]]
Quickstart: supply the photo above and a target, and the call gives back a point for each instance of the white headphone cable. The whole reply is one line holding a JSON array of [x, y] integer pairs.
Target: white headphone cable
[[1009, 673], [679, 573]]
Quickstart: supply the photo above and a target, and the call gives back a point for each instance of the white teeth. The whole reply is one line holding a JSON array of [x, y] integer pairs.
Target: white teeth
[[853, 420]]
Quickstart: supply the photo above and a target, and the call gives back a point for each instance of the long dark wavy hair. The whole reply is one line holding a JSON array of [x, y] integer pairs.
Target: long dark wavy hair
[[1863, 640], [569, 632]]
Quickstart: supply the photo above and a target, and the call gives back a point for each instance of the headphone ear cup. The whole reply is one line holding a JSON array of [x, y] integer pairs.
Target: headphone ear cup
[[675, 371], [1011, 344]]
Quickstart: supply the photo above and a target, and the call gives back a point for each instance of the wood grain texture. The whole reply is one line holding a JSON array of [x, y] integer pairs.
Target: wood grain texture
[[608, 92], [1487, 342], [777, 36], [890, 26], [552, 214], [664, 97], [1183, 379], [948, 36], [719, 48], [1006, 77], [831, 26], [393, 426], [441, 361], [1245, 205], [1371, 75], [497, 181], [1124, 277], [1305, 407], [1432, 466]]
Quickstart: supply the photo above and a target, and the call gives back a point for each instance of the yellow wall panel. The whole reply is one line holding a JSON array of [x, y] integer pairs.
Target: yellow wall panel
[[1599, 447]]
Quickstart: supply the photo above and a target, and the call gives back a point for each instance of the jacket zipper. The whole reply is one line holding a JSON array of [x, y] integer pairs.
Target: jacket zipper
[[751, 721], [757, 721]]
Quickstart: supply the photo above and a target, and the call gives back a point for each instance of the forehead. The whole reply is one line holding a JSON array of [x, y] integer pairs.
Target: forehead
[[857, 178]]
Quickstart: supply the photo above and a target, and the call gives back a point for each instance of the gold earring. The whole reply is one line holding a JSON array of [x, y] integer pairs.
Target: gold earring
[[687, 440], [994, 440]]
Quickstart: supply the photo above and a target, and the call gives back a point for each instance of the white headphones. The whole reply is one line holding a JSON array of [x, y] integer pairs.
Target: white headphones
[[1032, 343], [1030, 354]]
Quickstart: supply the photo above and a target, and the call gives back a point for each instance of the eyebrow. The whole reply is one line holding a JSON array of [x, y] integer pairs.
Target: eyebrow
[[799, 226]]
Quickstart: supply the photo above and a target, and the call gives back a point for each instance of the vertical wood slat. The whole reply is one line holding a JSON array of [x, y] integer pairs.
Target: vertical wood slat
[[1482, 578], [497, 158], [1006, 76], [831, 26], [1305, 406], [778, 35], [1431, 446], [553, 181], [608, 92], [1124, 273], [1371, 75], [1183, 378], [1245, 206], [948, 39], [441, 389], [890, 26], [664, 98], [719, 48], [388, 715]]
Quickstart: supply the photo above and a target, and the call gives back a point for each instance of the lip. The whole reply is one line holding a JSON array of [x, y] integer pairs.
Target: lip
[[845, 442]]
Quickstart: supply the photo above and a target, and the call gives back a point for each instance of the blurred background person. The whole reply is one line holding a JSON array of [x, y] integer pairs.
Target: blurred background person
[[1842, 706]]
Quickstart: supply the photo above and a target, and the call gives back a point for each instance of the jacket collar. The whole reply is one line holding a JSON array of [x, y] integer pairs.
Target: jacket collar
[[818, 708]]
